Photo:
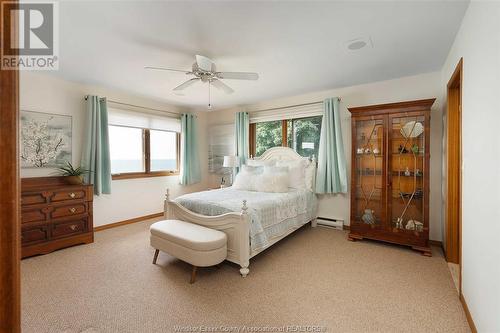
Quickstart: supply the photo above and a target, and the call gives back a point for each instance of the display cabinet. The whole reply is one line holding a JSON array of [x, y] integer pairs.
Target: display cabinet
[[390, 173]]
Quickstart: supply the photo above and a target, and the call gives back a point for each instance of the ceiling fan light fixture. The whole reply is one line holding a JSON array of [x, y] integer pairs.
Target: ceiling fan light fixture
[[204, 70]]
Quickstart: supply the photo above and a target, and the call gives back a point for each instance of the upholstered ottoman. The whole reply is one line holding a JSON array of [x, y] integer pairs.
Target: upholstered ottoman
[[189, 242]]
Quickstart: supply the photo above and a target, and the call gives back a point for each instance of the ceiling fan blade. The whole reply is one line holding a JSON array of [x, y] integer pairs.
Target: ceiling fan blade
[[222, 86], [237, 75], [166, 69], [186, 84], [204, 63]]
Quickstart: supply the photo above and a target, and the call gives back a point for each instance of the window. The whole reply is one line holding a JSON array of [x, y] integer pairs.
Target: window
[[163, 150], [142, 144], [302, 135], [268, 135], [126, 149], [137, 152]]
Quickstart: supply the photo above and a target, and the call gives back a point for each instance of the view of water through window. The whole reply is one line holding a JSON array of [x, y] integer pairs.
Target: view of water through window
[[127, 150]]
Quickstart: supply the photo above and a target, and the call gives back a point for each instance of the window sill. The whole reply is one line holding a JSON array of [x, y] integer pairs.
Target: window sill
[[134, 175]]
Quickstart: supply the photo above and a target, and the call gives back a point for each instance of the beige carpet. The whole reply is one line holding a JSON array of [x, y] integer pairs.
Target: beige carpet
[[314, 277]]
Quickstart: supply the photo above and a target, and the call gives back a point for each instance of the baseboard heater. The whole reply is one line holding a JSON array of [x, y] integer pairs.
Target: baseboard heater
[[337, 224]]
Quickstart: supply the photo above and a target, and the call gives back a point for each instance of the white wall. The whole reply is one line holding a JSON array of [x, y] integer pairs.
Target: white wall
[[129, 198], [478, 42], [403, 89]]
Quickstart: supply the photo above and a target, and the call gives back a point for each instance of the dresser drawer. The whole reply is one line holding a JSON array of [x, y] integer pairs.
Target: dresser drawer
[[33, 235], [69, 228], [34, 215], [63, 195], [69, 210], [33, 198]]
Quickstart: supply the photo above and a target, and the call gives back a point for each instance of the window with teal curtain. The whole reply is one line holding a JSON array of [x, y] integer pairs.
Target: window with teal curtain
[[95, 152], [190, 161], [331, 175], [241, 132]]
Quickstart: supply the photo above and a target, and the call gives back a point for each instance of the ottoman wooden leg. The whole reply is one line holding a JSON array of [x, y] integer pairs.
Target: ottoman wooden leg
[[155, 257], [193, 275]]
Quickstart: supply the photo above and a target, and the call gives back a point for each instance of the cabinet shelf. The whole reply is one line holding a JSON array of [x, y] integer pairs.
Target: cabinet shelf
[[370, 172], [408, 154], [411, 175]]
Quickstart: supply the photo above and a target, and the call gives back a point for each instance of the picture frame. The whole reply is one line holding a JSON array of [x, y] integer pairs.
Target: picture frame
[[45, 139]]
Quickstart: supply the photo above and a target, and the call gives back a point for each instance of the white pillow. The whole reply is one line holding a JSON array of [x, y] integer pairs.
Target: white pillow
[[276, 182], [253, 169], [245, 180], [259, 163], [296, 173]]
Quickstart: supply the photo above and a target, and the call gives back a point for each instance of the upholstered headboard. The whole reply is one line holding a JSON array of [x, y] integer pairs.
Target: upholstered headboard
[[288, 154]]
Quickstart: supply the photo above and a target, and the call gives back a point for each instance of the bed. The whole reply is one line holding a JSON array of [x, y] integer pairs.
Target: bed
[[253, 221]]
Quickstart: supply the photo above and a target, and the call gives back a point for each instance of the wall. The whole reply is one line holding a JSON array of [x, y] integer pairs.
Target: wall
[[478, 42], [408, 88], [129, 198]]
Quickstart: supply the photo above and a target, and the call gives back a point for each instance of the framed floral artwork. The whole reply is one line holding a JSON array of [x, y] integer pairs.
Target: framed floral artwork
[[45, 139]]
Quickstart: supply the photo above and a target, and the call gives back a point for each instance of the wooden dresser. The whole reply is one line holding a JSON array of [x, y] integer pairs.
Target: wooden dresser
[[54, 215]]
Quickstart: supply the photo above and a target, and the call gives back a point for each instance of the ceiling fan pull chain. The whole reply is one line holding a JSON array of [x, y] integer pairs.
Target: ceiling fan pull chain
[[209, 99]]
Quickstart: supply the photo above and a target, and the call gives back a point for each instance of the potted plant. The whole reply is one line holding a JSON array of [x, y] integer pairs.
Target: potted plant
[[73, 176]]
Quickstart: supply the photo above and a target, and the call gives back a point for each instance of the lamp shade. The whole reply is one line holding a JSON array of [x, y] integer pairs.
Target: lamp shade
[[231, 161]]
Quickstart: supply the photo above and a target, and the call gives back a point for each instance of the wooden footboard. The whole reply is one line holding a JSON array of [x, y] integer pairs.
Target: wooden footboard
[[235, 225]]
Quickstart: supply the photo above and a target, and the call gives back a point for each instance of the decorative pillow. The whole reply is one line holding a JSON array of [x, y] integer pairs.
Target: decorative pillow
[[257, 163], [245, 180], [276, 182], [296, 172]]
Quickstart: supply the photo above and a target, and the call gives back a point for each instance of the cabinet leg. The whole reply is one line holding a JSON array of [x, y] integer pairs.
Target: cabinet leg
[[425, 251], [353, 237]]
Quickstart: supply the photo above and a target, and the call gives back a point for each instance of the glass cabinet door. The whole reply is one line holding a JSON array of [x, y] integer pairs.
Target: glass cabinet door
[[368, 202], [406, 172]]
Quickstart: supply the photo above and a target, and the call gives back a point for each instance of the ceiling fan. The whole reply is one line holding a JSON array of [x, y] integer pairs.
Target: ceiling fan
[[204, 70]]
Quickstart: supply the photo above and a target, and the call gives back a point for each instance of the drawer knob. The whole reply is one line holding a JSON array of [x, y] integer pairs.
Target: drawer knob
[[72, 209], [72, 195], [73, 227]]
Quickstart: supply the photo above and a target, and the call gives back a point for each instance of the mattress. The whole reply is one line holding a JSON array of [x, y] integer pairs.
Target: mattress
[[272, 215]]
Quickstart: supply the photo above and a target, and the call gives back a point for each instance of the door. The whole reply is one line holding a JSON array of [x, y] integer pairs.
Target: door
[[10, 238], [407, 172], [369, 177], [454, 162]]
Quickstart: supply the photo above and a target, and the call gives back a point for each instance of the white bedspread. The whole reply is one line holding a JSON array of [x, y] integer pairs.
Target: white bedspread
[[272, 214]]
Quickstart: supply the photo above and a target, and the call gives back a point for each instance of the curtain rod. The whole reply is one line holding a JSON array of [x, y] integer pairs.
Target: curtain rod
[[141, 107], [290, 106]]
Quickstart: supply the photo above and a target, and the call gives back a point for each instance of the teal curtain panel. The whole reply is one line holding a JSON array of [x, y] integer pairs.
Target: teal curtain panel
[[95, 153], [190, 160], [331, 175], [241, 136]]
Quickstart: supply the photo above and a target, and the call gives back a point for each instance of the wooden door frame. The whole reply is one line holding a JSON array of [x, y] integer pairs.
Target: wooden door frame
[[10, 250], [453, 246]]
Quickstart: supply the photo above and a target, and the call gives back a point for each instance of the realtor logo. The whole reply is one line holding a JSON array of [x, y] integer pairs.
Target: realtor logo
[[35, 47]]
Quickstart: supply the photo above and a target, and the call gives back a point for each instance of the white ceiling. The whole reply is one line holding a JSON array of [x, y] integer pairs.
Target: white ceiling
[[296, 47]]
